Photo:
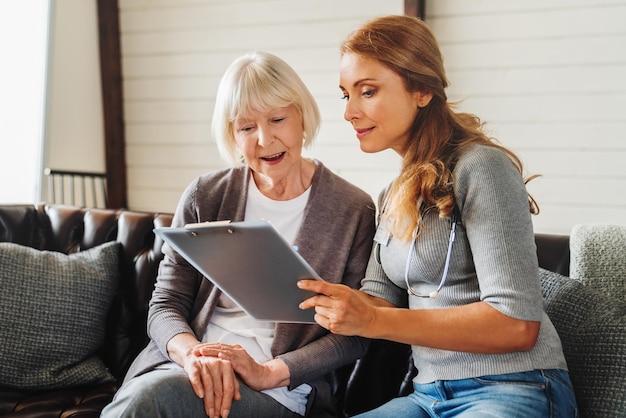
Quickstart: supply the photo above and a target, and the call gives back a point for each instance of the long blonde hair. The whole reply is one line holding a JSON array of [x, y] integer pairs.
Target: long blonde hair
[[407, 46]]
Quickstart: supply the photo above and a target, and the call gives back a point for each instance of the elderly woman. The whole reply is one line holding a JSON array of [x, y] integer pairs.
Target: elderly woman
[[206, 357]]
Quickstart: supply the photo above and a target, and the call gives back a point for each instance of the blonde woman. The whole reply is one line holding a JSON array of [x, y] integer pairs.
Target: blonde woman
[[454, 270]]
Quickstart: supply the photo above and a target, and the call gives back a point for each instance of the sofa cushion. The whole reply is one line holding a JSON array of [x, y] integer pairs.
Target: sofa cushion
[[598, 257], [592, 328], [54, 308]]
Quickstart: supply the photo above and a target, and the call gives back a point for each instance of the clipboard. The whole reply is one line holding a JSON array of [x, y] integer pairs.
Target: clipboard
[[251, 263]]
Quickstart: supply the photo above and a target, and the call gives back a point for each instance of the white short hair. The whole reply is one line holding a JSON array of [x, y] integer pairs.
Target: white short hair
[[259, 81]]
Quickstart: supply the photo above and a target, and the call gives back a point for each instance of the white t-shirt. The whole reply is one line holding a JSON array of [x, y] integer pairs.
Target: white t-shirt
[[231, 325]]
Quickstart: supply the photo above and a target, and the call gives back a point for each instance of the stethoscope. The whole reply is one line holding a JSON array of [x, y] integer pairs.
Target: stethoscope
[[435, 293]]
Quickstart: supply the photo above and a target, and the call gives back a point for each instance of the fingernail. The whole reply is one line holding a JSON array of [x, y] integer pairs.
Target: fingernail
[[225, 413]]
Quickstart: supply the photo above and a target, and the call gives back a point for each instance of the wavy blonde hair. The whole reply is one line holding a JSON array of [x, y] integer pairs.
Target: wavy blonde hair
[[408, 47]]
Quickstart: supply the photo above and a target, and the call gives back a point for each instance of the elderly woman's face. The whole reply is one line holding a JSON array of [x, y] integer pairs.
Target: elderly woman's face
[[271, 141]]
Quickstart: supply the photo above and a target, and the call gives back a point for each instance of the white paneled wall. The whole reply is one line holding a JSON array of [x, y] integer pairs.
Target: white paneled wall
[[546, 75], [173, 55]]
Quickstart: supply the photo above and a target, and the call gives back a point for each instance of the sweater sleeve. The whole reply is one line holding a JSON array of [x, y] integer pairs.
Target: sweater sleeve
[[495, 214], [376, 283]]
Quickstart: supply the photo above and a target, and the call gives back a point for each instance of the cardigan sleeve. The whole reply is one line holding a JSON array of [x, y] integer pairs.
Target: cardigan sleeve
[[177, 283], [336, 239], [181, 298]]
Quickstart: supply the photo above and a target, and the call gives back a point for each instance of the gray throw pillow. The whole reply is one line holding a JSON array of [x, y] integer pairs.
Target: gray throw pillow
[[592, 328], [53, 310]]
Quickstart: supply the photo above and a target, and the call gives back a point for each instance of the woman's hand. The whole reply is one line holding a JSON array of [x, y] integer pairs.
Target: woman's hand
[[257, 376], [341, 309]]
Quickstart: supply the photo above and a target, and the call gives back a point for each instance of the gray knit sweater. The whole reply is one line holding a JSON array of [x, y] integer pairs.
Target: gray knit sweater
[[335, 238], [493, 260]]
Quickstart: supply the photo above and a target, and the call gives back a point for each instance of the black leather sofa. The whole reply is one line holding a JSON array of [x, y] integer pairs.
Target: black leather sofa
[[383, 373]]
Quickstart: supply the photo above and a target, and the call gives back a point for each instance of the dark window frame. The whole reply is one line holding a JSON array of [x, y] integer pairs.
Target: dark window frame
[[112, 102]]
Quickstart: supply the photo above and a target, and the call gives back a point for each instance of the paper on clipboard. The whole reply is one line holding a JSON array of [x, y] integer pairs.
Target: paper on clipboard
[[251, 263]]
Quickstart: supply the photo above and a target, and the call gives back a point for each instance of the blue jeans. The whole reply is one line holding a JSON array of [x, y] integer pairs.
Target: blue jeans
[[168, 393], [534, 394]]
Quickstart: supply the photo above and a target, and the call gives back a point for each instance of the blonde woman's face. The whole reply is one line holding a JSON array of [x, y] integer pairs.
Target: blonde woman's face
[[271, 141], [379, 107]]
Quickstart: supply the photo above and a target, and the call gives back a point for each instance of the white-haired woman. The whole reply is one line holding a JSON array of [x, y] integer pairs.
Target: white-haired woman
[[206, 357]]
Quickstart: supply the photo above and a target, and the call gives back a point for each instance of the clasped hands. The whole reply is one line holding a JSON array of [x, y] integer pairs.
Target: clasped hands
[[213, 367], [212, 370]]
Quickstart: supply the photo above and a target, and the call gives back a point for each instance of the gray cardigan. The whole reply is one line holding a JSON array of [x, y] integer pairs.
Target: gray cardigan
[[493, 259], [335, 238]]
